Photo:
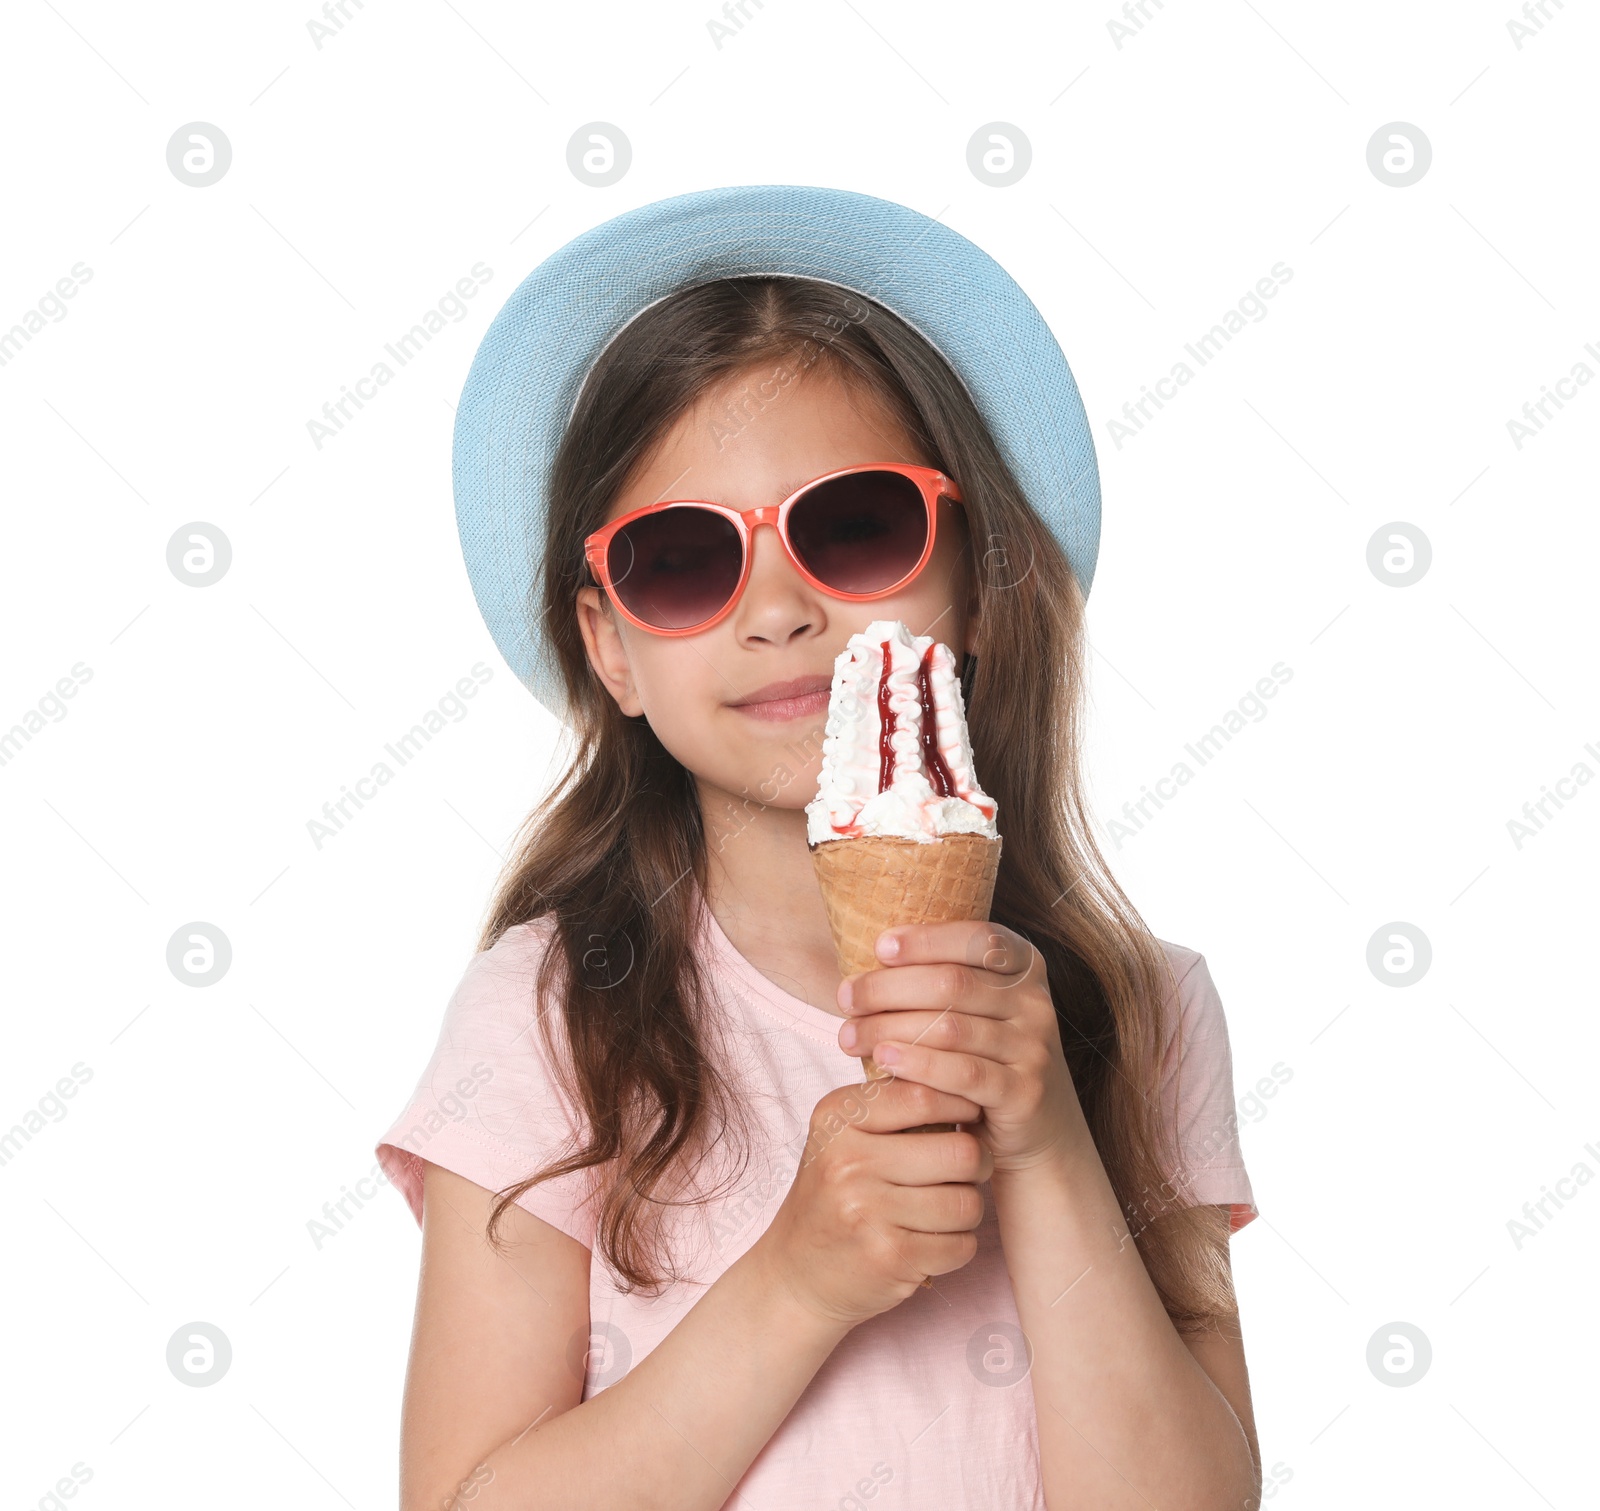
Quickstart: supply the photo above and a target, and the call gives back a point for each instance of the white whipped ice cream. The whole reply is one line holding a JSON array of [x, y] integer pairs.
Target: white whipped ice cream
[[896, 756]]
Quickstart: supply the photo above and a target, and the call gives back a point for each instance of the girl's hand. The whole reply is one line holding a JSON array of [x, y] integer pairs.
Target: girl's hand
[[964, 1007], [868, 1216]]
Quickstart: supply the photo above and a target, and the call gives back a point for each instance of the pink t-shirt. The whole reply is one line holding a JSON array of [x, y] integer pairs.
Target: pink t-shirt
[[924, 1406]]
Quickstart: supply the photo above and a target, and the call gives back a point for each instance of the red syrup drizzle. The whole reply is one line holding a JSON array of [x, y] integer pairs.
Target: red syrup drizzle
[[939, 777], [886, 726]]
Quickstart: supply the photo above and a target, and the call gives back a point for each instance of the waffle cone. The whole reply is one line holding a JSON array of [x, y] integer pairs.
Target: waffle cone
[[872, 882]]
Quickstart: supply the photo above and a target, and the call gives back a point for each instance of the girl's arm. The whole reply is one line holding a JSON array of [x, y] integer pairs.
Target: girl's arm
[[1128, 1415], [493, 1418]]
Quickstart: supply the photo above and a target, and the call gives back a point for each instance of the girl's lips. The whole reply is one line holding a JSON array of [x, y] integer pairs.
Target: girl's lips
[[778, 709]]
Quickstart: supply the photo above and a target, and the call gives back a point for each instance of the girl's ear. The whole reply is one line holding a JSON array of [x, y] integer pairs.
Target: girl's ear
[[602, 640]]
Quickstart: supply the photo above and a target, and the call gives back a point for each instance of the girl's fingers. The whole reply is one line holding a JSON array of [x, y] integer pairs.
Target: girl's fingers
[[887, 1104], [979, 1080], [947, 984], [930, 1206], [936, 1159], [943, 1029], [983, 946]]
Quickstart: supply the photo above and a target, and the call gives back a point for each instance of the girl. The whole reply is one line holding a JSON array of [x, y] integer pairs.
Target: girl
[[674, 1250]]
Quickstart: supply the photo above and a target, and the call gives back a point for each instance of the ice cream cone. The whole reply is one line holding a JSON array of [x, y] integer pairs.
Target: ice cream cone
[[900, 829], [872, 882]]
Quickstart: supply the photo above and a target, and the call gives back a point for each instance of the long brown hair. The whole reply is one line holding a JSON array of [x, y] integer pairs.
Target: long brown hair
[[607, 855]]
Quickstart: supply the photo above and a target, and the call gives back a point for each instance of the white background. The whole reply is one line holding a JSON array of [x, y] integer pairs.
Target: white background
[[1168, 174]]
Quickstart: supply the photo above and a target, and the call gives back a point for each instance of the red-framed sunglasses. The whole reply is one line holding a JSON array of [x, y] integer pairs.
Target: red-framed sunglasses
[[860, 532]]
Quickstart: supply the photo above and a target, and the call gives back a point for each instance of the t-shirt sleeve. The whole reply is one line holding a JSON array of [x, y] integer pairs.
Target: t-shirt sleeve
[[1197, 1092], [488, 1105]]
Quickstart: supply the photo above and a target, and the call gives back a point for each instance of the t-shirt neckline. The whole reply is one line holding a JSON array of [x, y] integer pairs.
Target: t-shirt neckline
[[795, 1012]]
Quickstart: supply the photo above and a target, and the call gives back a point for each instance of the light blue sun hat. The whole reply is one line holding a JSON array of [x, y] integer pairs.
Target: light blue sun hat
[[524, 381]]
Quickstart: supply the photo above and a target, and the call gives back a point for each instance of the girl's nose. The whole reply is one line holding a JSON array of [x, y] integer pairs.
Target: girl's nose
[[777, 599], [769, 562]]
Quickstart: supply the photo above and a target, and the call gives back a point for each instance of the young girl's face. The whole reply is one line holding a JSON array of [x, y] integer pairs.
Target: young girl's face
[[781, 630]]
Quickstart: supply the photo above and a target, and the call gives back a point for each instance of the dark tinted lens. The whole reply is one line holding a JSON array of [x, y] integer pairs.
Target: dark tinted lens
[[675, 568], [862, 532]]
